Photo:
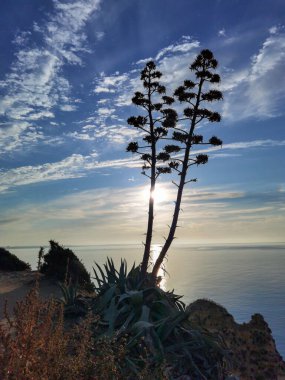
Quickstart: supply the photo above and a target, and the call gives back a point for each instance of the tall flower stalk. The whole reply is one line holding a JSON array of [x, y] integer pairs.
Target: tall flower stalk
[[196, 95], [154, 125]]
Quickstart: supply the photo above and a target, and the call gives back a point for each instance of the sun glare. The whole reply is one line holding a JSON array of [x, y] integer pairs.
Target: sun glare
[[155, 250], [160, 194]]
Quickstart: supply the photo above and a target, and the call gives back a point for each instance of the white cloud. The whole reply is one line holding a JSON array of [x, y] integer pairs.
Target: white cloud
[[102, 101], [243, 145], [183, 46], [80, 136], [70, 167], [105, 112], [222, 33], [18, 134], [110, 83], [35, 85], [74, 166], [116, 133], [273, 30], [88, 127], [22, 37], [100, 35], [68, 107], [144, 61], [259, 90], [77, 165], [255, 144]]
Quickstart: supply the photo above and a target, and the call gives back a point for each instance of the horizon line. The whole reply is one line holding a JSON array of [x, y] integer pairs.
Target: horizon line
[[270, 243]]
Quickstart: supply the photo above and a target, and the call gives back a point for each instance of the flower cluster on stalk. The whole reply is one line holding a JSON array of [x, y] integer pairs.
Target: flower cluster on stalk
[[195, 98]]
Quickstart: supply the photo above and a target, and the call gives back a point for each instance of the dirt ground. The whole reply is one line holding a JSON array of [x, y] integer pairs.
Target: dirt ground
[[15, 285]]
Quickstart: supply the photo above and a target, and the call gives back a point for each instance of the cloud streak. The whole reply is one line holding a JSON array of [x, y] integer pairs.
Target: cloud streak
[[36, 86], [208, 214], [79, 166], [74, 166]]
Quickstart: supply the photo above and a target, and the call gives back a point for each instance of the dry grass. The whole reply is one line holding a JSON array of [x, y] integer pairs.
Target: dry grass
[[35, 345]]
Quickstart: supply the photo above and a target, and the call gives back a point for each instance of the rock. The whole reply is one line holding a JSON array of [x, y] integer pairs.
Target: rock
[[250, 345]]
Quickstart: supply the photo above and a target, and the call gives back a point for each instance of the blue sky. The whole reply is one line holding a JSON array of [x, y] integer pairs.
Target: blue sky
[[68, 70]]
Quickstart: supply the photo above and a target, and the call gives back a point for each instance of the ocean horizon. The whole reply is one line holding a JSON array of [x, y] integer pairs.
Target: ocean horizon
[[244, 278]]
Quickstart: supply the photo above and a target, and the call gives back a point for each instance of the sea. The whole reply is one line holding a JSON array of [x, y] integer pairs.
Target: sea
[[245, 279]]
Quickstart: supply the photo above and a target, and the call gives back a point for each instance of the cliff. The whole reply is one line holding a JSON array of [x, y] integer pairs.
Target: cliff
[[250, 345]]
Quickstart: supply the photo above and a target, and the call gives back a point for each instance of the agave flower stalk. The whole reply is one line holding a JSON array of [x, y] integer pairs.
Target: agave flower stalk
[[195, 94], [154, 125]]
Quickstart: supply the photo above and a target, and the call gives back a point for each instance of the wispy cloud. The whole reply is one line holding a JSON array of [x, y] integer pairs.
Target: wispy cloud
[[74, 166], [243, 145], [208, 214], [258, 91], [222, 32], [184, 46], [110, 83], [78, 165], [35, 86]]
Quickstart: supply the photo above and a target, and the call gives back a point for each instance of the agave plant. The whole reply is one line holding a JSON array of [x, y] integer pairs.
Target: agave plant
[[155, 321], [73, 304]]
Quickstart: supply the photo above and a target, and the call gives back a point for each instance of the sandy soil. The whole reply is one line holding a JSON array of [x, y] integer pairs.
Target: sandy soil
[[15, 285]]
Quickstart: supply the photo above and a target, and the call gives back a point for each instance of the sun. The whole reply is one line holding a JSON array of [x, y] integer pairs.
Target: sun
[[160, 194]]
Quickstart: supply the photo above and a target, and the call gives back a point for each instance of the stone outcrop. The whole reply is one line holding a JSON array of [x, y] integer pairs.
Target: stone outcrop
[[250, 345]]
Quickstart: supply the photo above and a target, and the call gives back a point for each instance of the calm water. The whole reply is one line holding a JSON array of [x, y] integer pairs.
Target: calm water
[[244, 279]]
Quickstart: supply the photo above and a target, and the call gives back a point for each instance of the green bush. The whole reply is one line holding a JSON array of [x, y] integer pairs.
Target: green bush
[[61, 263], [156, 322], [10, 262]]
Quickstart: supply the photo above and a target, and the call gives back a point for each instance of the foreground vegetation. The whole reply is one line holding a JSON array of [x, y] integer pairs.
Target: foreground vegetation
[[130, 329], [122, 333], [35, 345]]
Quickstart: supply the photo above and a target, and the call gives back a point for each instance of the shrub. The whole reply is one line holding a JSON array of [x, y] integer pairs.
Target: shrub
[[62, 264], [10, 262], [35, 345]]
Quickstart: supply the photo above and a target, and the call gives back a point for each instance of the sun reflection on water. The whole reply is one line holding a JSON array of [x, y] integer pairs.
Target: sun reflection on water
[[155, 250]]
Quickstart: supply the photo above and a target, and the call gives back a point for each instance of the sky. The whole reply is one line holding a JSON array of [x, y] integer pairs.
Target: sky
[[68, 71]]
